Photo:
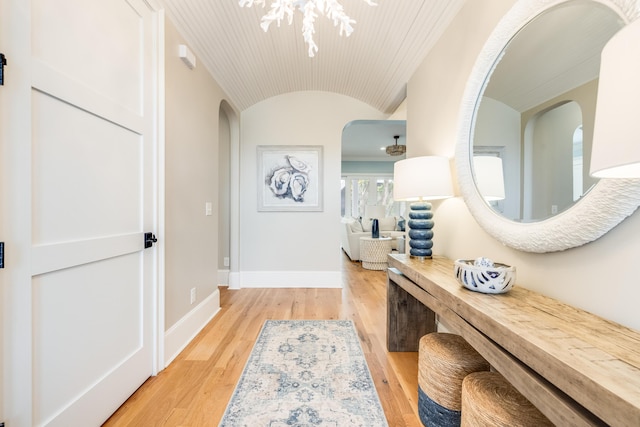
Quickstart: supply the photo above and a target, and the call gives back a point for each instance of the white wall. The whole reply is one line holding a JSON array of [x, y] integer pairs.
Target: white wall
[[600, 277], [294, 248], [193, 101], [552, 148], [506, 135], [585, 96], [224, 186]]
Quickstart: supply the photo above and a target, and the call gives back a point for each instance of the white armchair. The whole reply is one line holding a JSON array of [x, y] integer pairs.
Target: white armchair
[[353, 229]]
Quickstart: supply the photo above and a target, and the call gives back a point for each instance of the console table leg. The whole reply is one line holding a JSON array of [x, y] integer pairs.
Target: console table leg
[[408, 319]]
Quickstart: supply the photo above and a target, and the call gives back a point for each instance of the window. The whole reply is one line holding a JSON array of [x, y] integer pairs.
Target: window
[[577, 163], [360, 191]]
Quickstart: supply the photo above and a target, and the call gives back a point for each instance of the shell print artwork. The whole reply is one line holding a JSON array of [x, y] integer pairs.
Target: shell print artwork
[[291, 181]]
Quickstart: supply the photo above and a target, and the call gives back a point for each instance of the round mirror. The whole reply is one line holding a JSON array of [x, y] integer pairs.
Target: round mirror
[[543, 93], [531, 103]]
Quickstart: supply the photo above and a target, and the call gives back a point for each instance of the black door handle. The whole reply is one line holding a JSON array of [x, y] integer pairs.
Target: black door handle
[[149, 240]]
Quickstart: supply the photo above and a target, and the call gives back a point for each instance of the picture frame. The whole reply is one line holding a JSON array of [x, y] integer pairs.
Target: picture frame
[[290, 178]]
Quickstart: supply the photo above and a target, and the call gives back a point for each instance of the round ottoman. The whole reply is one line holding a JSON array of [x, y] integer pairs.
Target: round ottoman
[[443, 362], [488, 399]]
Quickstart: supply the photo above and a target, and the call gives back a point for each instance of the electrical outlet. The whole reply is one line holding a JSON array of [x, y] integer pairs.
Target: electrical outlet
[[554, 209], [193, 295], [226, 261]]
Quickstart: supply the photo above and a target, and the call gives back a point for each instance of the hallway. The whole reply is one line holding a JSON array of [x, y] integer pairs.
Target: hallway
[[195, 388]]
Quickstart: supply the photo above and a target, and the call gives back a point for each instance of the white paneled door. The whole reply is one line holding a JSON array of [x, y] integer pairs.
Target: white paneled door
[[78, 120]]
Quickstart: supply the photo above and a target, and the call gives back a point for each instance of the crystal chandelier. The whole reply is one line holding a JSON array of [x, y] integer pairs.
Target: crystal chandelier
[[396, 150], [332, 9]]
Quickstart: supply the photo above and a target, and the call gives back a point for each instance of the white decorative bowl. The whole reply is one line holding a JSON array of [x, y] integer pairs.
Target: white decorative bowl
[[495, 279]]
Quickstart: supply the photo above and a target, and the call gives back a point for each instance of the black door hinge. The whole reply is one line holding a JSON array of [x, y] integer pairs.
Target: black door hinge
[[1, 266], [3, 62]]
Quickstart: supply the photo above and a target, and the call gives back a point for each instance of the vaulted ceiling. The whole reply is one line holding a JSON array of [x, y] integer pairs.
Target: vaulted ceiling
[[389, 42], [556, 52]]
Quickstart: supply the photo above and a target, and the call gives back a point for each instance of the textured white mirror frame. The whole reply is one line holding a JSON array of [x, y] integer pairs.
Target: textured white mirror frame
[[607, 204]]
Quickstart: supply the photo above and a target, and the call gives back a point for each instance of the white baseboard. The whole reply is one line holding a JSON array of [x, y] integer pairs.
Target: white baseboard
[[185, 330], [234, 280], [290, 279], [223, 277]]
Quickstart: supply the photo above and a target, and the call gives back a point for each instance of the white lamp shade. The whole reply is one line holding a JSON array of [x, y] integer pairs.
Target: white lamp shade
[[616, 134], [374, 211], [489, 177], [427, 177]]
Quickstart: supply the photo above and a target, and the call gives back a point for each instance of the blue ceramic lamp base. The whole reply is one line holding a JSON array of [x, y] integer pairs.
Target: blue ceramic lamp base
[[420, 233]]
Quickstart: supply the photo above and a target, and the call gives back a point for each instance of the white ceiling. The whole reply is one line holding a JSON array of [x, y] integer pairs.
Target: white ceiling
[[373, 65], [556, 52], [362, 140]]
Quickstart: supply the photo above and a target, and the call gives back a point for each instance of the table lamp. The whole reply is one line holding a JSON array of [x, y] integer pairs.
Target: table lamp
[[616, 134], [416, 180]]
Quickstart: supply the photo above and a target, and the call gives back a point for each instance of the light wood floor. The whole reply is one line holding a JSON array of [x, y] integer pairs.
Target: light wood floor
[[195, 388]]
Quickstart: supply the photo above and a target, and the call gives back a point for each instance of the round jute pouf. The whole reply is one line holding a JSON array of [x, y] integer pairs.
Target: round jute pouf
[[488, 399], [444, 360]]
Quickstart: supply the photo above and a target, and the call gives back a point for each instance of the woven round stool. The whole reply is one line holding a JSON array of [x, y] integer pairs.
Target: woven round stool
[[443, 362], [488, 399]]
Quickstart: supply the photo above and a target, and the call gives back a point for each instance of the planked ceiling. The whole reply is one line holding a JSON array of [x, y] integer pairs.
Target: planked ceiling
[[373, 65]]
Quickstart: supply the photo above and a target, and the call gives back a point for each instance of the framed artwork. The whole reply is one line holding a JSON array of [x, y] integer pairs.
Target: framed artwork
[[290, 178]]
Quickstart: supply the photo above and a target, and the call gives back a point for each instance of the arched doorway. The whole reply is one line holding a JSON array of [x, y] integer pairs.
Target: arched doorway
[[228, 195]]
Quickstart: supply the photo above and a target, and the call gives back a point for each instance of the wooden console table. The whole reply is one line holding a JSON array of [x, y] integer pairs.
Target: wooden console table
[[577, 368]]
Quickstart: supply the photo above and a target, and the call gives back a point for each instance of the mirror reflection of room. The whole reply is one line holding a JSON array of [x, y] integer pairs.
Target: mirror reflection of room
[[544, 103]]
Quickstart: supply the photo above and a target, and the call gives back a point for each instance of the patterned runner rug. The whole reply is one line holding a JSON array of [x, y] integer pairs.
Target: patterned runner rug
[[305, 373]]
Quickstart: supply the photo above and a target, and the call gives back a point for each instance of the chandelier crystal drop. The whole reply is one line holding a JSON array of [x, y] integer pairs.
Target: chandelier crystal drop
[[332, 9]]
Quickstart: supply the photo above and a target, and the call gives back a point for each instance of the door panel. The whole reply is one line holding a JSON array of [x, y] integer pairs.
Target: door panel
[[82, 314], [71, 197], [52, 257], [99, 46], [87, 313]]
